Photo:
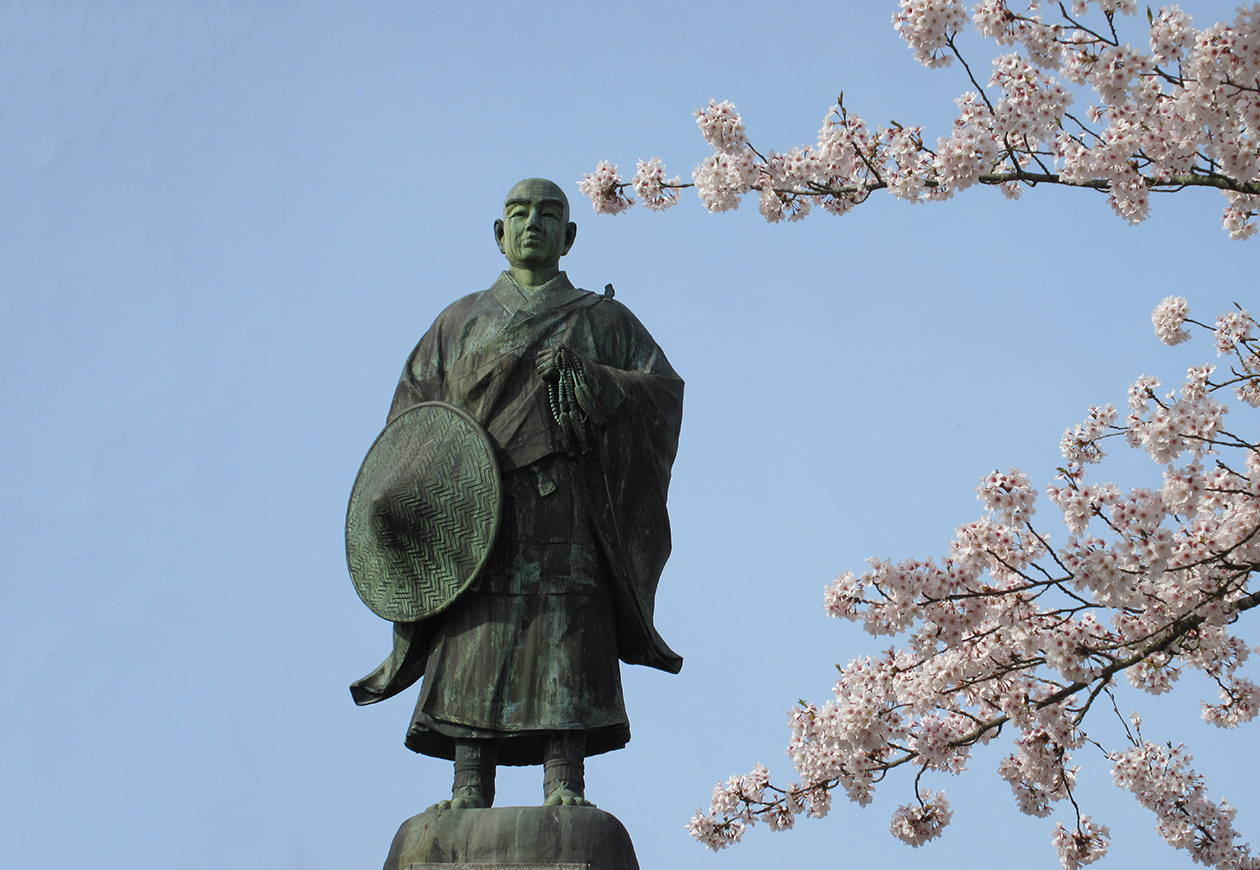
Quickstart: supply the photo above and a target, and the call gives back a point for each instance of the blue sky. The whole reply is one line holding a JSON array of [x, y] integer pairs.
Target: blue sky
[[225, 225]]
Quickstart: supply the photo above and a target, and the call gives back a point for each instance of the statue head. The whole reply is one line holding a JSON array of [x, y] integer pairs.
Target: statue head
[[535, 231]]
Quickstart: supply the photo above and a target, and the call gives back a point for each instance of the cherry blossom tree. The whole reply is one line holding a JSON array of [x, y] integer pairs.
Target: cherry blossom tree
[[1009, 634], [1184, 113]]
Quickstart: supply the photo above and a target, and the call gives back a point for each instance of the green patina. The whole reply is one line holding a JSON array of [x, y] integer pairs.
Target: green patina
[[583, 412]]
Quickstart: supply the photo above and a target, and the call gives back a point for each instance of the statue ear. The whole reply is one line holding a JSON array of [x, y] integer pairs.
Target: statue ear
[[498, 235], [570, 235]]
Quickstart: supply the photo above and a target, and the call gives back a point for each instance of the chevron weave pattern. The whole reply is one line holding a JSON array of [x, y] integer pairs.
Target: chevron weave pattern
[[423, 514]]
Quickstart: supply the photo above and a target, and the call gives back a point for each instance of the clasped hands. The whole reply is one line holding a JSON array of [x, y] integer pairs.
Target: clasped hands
[[550, 361]]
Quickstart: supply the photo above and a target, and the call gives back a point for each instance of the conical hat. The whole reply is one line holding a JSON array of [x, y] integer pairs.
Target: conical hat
[[424, 512]]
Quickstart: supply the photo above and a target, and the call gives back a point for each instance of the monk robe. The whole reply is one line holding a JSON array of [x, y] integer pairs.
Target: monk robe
[[569, 587]]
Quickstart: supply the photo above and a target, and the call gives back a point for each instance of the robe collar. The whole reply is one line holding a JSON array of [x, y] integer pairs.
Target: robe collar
[[513, 297]]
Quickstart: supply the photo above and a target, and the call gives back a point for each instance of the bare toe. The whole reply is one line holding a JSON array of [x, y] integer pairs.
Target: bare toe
[[467, 802], [566, 797]]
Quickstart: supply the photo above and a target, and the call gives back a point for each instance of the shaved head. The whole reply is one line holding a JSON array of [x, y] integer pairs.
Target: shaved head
[[537, 188], [535, 231]]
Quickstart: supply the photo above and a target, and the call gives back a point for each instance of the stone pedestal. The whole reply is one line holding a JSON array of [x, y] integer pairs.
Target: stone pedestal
[[524, 838]]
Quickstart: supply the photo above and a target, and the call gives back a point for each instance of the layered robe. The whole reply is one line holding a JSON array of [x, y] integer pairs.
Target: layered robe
[[570, 584]]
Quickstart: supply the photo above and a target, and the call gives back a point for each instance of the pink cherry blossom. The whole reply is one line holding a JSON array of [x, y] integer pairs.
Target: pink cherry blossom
[[604, 187], [656, 191], [1168, 318], [916, 825], [1082, 845], [926, 25], [1011, 635], [721, 127], [1232, 328], [1167, 108], [1160, 778]]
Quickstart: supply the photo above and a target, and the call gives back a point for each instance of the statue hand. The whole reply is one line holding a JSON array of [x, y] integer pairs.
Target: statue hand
[[547, 363]]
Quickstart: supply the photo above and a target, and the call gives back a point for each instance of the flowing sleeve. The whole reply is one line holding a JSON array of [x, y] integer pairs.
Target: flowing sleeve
[[420, 381], [627, 476]]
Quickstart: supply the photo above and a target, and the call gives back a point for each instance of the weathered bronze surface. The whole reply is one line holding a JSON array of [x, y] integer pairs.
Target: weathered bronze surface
[[516, 837], [583, 413], [423, 513]]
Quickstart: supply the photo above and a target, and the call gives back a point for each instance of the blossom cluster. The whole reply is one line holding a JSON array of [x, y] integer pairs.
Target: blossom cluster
[[1008, 633], [1183, 113], [915, 825], [1082, 845], [1162, 781], [1169, 317]]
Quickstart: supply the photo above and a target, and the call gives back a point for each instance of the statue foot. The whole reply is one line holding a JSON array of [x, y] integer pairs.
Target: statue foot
[[564, 770], [566, 797], [461, 802], [473, 788], [469, 802]]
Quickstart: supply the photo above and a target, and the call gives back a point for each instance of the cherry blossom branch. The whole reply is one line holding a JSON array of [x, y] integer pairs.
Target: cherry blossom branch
[[1010, 632], [949, 41], [1154, 131], [1168, 637]]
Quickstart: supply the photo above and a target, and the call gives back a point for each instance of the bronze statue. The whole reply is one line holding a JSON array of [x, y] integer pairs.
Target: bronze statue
[[582, 413]]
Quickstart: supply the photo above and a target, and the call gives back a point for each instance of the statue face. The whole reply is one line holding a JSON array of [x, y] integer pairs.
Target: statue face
[[535, 231]]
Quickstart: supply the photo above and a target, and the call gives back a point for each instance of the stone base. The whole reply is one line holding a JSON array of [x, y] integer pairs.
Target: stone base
[[498, 867], [523, 838]]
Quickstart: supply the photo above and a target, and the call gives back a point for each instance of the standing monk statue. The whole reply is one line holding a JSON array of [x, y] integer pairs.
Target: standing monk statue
[[577, 413]]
